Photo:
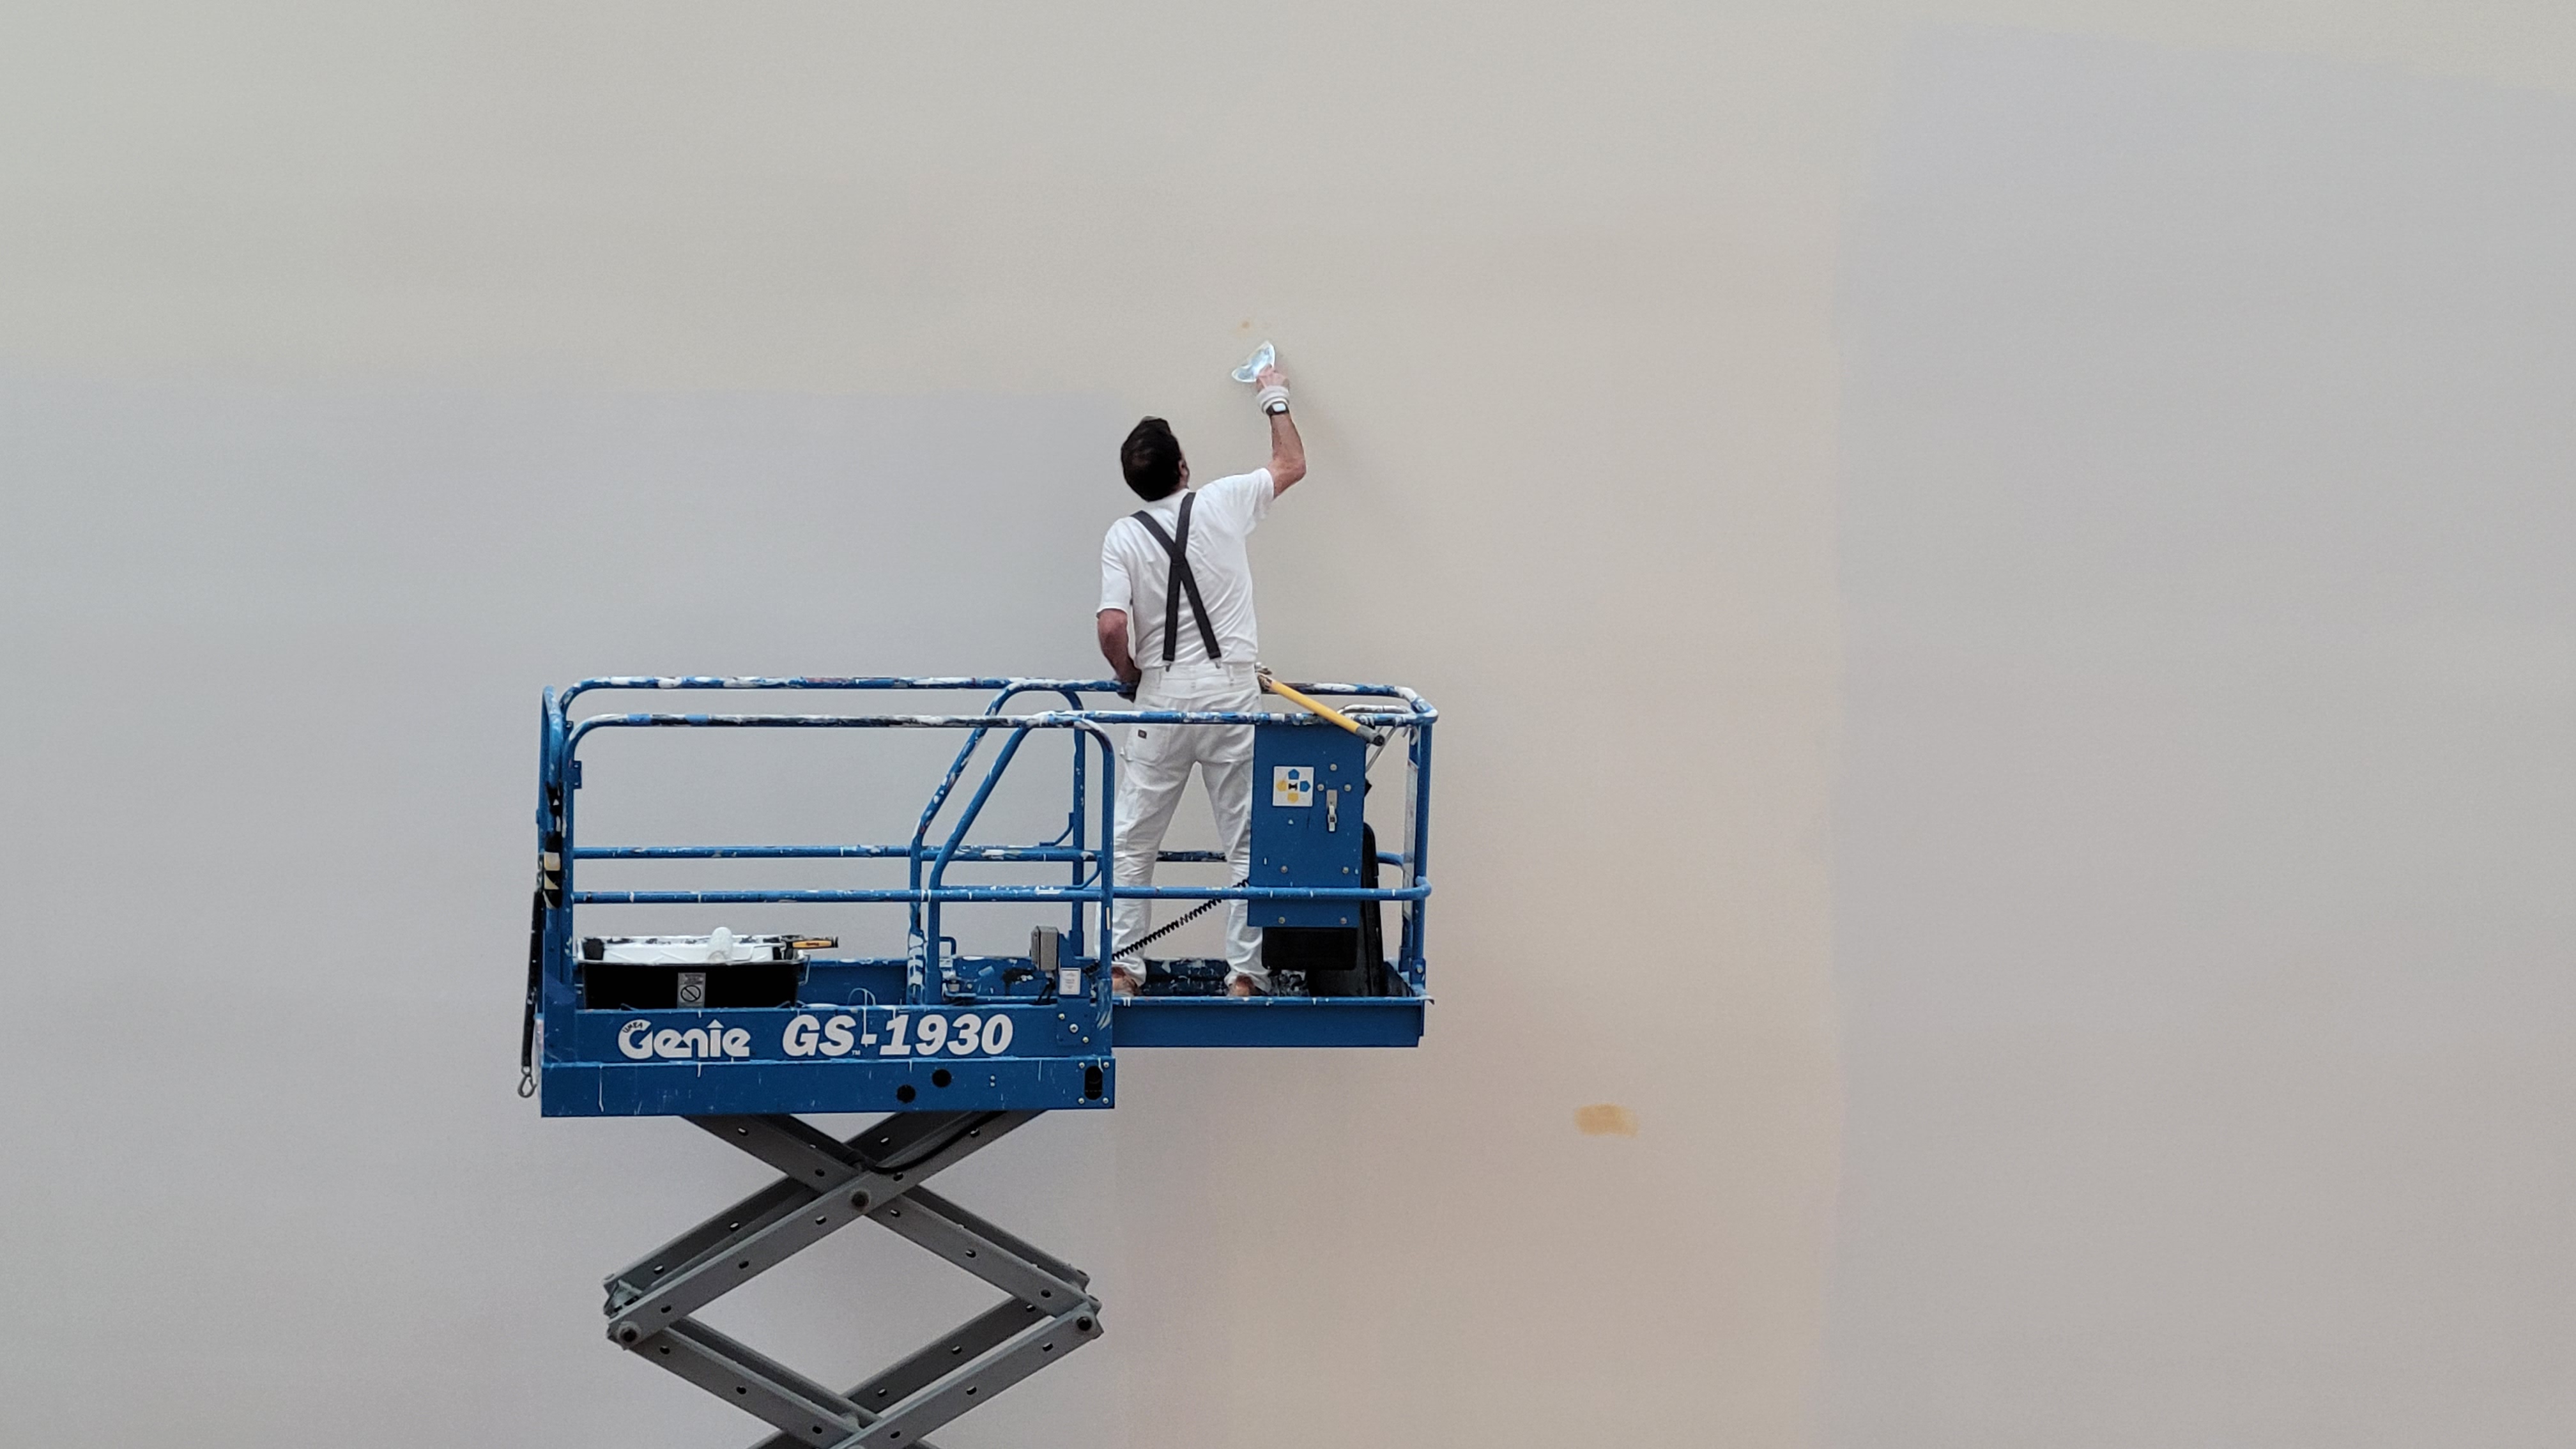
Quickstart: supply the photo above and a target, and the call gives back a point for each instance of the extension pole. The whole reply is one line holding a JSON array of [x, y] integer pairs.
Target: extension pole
[[1321, 709]]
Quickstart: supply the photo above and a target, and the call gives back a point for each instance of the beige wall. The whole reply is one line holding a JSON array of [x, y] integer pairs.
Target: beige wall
[[1557, 285]]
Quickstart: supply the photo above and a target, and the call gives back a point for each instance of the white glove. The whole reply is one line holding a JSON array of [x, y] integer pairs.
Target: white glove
[[1273, 399]]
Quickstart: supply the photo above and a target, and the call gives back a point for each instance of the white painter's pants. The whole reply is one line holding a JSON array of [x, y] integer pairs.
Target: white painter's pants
[[1154, 764]]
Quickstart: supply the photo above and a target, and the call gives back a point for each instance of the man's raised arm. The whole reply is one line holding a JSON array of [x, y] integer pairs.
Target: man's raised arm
[[1287, 450]]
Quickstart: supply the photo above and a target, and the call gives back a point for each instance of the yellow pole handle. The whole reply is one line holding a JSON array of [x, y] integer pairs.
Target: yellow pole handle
[[1321, 709]]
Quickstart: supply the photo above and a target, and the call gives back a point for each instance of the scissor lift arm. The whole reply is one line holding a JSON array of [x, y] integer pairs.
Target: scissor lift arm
[[825, 1185]]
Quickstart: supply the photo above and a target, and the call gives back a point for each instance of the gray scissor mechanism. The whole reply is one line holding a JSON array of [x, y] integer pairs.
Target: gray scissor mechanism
[[826, 1184]]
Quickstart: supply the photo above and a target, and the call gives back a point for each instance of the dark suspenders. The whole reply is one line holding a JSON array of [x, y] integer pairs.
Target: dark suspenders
[[1181, 581]]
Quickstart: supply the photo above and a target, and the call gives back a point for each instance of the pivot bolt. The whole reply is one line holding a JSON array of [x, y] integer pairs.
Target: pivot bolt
[[628, 1333], [859, 1202]]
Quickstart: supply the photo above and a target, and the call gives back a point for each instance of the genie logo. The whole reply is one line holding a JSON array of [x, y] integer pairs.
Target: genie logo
[[640, 1042]]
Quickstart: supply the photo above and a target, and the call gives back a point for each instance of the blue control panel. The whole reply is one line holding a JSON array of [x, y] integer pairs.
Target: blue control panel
[[1308, 780]]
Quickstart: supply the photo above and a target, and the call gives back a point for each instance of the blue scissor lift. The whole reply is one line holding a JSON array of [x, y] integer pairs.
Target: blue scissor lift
[[739, 1034]]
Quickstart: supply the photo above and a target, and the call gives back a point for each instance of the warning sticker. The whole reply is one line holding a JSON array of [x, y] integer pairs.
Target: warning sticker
[[1292, 784]]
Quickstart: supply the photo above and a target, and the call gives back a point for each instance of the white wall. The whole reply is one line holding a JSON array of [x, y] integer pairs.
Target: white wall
[[2205, 834], [347, 346], [356, 363]]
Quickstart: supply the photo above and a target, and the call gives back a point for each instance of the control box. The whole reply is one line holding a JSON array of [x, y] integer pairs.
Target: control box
[[1309, 801]]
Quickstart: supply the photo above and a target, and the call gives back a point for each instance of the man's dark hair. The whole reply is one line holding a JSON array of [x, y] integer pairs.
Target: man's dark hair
[[1151, 458]]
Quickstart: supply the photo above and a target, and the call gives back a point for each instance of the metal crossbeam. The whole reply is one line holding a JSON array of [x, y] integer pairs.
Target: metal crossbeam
[[826, 1184]]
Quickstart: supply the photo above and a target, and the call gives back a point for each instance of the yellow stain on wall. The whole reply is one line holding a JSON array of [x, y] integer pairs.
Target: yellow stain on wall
[[1605, 1119]]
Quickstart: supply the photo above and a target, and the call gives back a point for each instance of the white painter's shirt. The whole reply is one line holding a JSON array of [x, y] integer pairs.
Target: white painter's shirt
[[1135, 570]]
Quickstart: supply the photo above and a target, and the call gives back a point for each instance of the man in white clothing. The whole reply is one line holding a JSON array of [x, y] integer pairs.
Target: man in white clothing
[[1176, 623]]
